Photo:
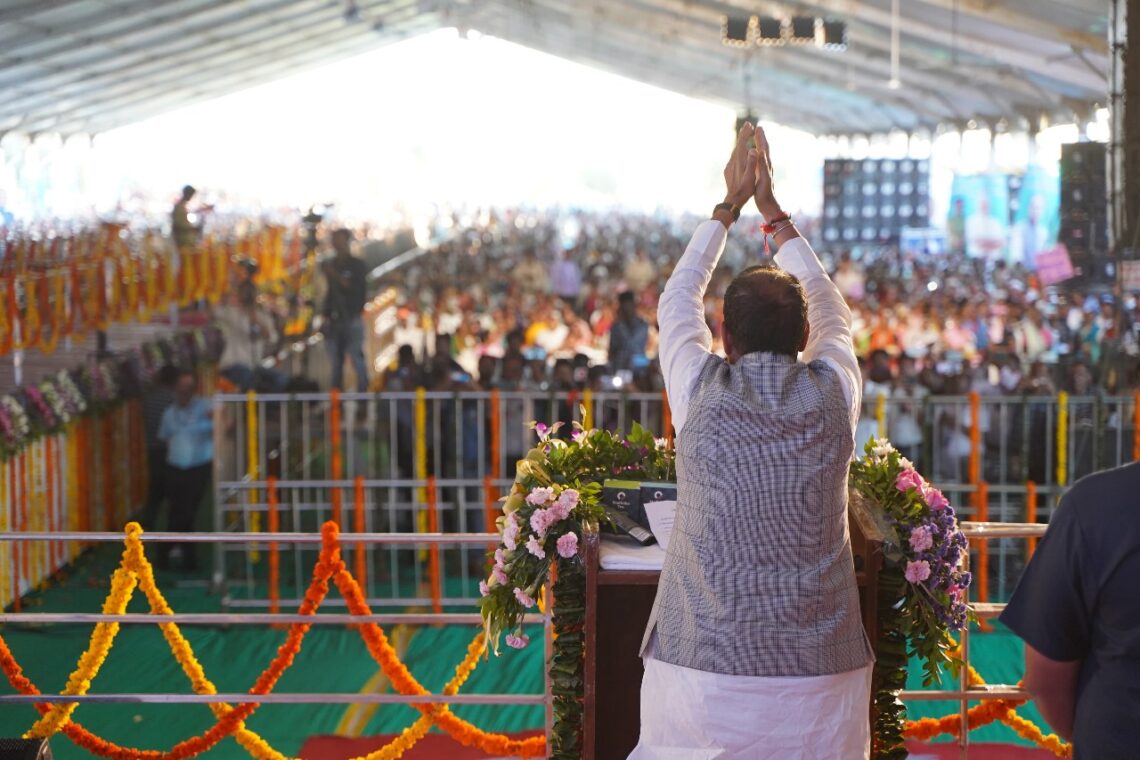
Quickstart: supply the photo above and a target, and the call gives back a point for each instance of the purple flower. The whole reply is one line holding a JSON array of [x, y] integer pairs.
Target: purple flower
[[907, 480], [484, 589], [568, 545], [917, 572], [920, 539], [577, 436], [524, 598], [541, 428], [517, 642], [535, 548]]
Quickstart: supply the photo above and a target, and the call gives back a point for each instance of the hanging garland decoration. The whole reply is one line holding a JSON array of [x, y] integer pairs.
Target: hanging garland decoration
[[8, 314], [56, 310], [32, 327]]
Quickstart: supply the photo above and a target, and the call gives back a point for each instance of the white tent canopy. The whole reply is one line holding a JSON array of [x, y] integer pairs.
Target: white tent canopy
[[87, 66]]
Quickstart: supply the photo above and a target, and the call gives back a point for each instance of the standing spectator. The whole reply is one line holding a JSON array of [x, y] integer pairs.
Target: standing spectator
[[187, 429], [249, 333], [640, 272], [184, 231], [566, 278], [629, 334], [155, 403], [344, 304], [905, 416], [530, 275], [1078, 612]]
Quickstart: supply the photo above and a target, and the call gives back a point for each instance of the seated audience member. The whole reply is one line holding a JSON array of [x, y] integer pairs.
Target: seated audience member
[[1078, 611]]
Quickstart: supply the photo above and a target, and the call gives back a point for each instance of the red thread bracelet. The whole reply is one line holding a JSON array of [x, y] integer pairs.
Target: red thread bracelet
[[769, 228]]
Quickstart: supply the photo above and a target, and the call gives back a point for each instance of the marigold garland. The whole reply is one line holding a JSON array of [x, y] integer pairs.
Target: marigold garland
[[136, 571]]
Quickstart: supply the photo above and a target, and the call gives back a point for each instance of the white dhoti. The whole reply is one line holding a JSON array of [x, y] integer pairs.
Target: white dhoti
[[691, 714]]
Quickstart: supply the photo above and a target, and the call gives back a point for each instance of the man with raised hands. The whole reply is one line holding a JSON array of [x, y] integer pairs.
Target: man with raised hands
[[755, 647]]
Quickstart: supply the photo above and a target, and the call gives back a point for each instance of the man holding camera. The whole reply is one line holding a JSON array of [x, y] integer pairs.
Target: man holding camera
[[755, 647]]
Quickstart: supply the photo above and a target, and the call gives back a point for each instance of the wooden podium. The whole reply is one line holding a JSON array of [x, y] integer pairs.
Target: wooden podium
[[618, 603]]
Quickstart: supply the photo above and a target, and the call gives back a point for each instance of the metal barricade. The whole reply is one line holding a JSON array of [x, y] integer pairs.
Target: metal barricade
[[395, 462], [265, 542]]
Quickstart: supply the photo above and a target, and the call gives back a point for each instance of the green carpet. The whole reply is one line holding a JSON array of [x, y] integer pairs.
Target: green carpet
[[332, 659]]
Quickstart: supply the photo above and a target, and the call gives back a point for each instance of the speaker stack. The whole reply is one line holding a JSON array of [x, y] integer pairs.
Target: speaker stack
[[870, 201], [1084, 211]]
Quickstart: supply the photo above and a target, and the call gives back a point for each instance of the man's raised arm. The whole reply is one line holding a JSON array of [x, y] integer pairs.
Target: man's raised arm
[[684, 335], [829, 318]]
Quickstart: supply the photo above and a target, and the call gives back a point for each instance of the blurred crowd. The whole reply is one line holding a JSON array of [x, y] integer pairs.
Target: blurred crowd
[[545, 301]]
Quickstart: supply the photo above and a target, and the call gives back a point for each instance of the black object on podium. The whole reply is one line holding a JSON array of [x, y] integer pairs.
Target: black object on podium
[[24, 749]]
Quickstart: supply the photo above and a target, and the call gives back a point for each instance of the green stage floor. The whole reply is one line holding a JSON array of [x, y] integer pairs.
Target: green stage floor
[[332, 660]]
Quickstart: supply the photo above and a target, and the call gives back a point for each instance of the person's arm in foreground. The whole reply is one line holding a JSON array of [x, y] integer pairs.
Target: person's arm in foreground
[[685, 338], [1050, 612], [1053, 685], [829, 317]]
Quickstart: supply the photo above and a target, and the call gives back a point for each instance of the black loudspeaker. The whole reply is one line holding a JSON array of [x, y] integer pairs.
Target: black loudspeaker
[[1084, 210], [24, 749], [869, 202]]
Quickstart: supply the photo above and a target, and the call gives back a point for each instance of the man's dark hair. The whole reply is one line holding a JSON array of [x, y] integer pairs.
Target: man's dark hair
[[765, 310], [167, 375], [626, 297]]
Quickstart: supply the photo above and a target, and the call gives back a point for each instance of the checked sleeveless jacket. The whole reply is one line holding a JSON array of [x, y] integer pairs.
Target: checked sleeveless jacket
[[758, 578]]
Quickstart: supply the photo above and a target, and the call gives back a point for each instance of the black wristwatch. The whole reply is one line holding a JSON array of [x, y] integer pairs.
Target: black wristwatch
[[726, 206]]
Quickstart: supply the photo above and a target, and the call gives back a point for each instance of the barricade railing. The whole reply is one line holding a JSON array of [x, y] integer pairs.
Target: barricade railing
[[372, 460], [979, 533], [265, 540]]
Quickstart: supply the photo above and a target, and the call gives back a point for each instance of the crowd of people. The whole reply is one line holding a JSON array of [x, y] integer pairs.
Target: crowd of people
[[565, 301], [561, 301]]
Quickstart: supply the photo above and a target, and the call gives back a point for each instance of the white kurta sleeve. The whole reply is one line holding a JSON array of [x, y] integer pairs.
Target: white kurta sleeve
[[685, 337], [829, 318]]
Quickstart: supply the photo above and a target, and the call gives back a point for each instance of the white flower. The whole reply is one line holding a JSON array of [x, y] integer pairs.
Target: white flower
[[905, 463]]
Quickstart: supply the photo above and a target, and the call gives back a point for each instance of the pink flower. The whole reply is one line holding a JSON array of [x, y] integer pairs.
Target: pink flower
[[577, 436], [500, 558], [498, 577], [917, 572], [524, 598], [511, 532], [907, 480], [568, 545], [484, 589], [934, 498], [541, 520], [540, 496], [535, 548], [920, 539], [569, 496], [517, 642]]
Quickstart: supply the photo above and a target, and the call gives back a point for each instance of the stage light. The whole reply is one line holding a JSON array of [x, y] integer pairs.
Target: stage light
[[835, 35], [24, 749], [771, 31], [803, 29], [736, 31]]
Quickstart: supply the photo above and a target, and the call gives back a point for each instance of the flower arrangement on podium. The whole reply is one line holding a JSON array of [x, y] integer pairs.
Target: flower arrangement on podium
[[923, 586], [555, 497]]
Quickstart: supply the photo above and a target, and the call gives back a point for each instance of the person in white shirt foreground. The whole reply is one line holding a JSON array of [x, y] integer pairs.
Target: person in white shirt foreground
[[755, 647]]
